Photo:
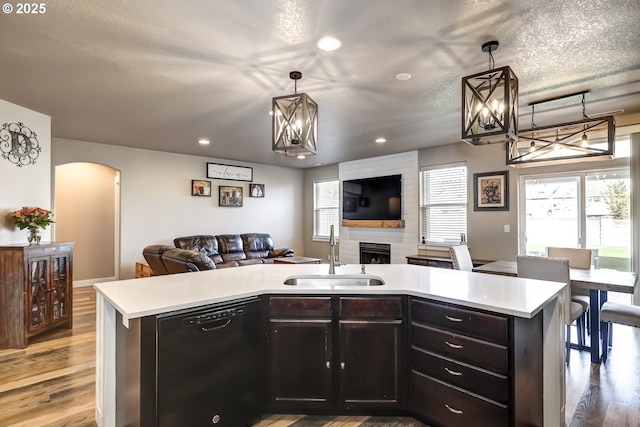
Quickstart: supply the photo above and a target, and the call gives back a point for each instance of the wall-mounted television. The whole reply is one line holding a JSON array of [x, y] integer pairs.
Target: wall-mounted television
[[378, 198]]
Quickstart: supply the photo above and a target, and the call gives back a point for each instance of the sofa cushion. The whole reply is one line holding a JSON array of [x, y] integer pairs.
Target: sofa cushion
[[257, 245], [153, 255], [230, 247], [183, 260], [205, 244]]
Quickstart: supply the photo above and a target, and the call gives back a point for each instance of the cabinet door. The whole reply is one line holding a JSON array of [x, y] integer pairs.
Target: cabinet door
[[37, 298], [371, 363], [59, 288], [300, 363]]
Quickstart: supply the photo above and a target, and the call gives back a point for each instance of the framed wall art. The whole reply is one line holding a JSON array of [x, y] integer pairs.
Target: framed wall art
[[200, 188], [230, 172], [491, 191], [256, 190], [230, 196]]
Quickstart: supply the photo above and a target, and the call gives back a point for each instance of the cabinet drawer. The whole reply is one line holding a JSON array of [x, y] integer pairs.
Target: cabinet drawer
[[310, 307], [493, 386], [441, 404], [352, 307], [459, 347], [470, 322]]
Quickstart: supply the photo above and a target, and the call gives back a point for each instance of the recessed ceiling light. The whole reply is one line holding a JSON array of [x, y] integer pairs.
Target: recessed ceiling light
[[380, 140], [403, 76], [329, 43], [302, 156], [203, 141]]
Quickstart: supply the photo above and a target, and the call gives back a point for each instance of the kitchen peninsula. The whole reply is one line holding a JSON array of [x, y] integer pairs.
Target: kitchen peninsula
[[504, 335]]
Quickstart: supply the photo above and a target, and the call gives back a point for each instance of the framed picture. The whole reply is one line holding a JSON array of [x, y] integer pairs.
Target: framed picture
[[230, 172], [200, 188], [491, 191], [256, 190], [230, 196]]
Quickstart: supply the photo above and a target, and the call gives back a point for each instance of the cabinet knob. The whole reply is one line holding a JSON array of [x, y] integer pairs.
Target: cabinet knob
[[328, 365], [342, 365]]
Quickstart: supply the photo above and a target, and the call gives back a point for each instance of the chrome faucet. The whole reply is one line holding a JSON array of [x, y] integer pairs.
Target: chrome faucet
[[332, 252]]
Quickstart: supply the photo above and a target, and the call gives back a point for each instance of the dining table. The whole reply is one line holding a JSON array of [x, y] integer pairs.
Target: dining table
[[597, 281]]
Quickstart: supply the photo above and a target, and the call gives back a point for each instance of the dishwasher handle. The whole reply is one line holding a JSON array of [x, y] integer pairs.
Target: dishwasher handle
[[218, 326]]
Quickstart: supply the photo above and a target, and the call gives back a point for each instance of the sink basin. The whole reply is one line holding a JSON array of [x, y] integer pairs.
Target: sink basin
[[334, 280]]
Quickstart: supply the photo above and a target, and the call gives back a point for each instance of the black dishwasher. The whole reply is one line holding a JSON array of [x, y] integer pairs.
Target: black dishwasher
[[209, 366]]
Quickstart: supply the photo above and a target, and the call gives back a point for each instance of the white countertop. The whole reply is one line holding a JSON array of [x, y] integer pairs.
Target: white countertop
[[520, 297]]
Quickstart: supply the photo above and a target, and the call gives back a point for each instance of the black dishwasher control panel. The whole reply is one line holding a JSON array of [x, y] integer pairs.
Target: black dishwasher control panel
[[211, 316]]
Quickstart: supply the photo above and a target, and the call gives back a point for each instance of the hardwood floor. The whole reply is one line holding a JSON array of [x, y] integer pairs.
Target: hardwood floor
[[52, 383]]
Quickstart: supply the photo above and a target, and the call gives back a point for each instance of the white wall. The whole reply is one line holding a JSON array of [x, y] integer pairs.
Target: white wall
[[28, 185], [157, 206], [403, 241]]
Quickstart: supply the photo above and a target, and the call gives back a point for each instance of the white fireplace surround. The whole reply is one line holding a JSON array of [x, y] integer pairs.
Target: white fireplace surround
[[403, 241]]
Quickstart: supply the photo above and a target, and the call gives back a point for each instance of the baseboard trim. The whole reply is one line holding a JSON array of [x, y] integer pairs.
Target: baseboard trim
[[91, 282]]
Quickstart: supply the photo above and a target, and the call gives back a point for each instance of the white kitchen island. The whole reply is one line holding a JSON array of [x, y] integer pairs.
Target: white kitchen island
[[523, 298]]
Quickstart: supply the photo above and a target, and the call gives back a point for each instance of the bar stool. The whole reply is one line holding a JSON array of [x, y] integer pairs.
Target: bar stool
[[612, 312]]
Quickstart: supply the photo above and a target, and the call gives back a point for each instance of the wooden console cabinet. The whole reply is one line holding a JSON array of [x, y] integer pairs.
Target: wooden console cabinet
[[335, 352], [36, 287]]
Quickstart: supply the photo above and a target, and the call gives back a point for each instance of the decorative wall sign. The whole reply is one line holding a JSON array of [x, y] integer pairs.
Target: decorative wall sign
[[19, 144], [233, 173], [256, 190], [491, 191], [230, 196], [200, 188]]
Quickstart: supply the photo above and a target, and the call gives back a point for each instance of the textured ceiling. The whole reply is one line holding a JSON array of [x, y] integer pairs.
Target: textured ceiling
[[160, 75]]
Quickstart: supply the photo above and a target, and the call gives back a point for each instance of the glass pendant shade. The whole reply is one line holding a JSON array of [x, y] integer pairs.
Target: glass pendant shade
[[580, 141], [490, 107], [295, 125]]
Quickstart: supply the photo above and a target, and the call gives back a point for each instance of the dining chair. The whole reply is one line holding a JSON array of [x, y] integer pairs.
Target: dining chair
[[556, 270], [612, 312], [578, 258], [461, 258]]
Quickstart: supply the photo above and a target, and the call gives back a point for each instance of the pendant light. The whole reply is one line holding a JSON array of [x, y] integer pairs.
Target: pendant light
[[490, 103], [295, 122]]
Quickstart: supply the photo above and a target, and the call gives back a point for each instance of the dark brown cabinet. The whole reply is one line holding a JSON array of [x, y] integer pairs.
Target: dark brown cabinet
[[468, 368], [36, 291], [335, 352], [300, 351]]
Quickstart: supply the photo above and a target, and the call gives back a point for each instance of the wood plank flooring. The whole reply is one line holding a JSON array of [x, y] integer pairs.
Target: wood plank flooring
[[52, 383]]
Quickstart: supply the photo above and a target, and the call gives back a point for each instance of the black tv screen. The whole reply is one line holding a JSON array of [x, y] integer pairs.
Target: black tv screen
[[378, 198]]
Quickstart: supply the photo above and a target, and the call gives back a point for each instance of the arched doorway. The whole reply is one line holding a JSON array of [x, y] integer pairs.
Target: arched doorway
[[87, 206]]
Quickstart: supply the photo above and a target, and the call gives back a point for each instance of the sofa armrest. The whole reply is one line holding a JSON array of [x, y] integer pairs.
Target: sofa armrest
[[281, 252]]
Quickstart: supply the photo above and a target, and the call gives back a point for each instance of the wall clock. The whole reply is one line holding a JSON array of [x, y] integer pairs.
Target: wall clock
[[19, 144]]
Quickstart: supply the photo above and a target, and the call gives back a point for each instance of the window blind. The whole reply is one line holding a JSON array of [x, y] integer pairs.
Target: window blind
[[443, 203], [326, 203]]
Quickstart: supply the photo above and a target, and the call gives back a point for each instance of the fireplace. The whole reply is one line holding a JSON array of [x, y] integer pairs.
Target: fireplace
[[375, 253]]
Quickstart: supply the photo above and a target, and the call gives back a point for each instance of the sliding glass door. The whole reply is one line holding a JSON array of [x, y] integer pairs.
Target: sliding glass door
[[586, 209]]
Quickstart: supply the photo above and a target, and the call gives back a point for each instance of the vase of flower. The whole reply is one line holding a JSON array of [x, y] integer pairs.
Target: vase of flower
[[34, 219], [34, 236]]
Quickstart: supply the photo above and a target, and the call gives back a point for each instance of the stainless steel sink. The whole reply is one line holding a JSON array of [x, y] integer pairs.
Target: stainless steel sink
[[329, 280]]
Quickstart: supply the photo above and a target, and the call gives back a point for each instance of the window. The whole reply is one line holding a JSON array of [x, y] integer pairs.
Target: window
[[443, 204], [325, 208], [589, 209]]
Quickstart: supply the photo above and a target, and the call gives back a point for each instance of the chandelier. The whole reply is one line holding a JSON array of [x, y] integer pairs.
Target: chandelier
[[295, 122], [583, 140], [490, 104]]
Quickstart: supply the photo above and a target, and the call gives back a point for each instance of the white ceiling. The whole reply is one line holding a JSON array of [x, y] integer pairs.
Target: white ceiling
[[161, 74]]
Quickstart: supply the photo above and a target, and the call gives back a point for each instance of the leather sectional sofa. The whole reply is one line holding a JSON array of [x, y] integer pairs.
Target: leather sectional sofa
[[207, 252]]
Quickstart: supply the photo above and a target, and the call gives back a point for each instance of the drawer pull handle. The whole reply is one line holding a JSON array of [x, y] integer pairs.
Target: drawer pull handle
[[453, 345], [453, 410], [453, 319], [457, 374]]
